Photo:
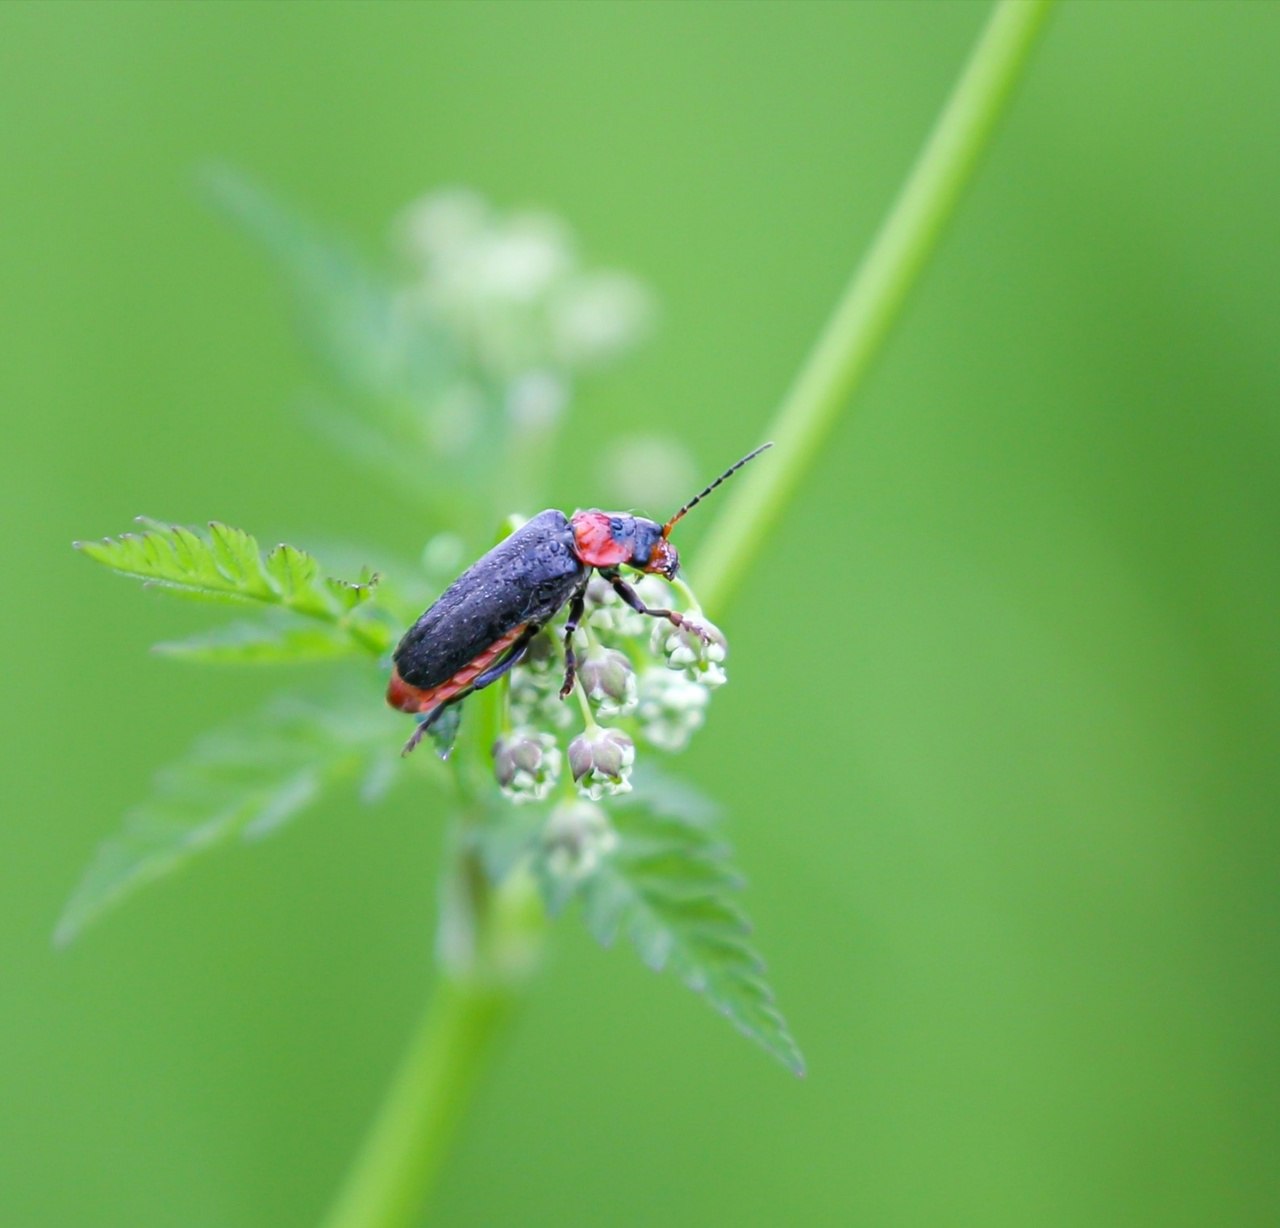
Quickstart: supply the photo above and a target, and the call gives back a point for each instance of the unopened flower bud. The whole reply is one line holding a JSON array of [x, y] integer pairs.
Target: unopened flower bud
[[653, 592], [540, 656], [577, 836], [526, 764], [601, 762], [607, 613], [609, 681], [534, 693], [698, 647], [671, 707], [435, 226], [598, 315], [538, 706]]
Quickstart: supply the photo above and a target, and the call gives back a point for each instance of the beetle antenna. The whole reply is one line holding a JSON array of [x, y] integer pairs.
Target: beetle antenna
[[698, 498]]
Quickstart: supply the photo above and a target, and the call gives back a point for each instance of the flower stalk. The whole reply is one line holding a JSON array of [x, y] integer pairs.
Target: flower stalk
[[873, 299]]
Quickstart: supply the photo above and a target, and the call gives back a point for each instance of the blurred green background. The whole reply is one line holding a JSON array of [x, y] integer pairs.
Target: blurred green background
[[1000, 752]]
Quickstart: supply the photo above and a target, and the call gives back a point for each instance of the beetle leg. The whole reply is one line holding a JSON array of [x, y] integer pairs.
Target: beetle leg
[[424, 726], [576, 605], [632, 598], [509, 660]]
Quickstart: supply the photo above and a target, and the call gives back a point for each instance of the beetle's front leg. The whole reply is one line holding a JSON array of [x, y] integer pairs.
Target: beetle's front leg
[[632, 598], [576, 605]]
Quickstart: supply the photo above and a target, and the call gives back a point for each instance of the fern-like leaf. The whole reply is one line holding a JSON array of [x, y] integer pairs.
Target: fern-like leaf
[[227, 565], [669, 889], [245, 779]]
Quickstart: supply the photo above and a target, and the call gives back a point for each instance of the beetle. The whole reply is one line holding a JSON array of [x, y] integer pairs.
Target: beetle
[[481, 625]]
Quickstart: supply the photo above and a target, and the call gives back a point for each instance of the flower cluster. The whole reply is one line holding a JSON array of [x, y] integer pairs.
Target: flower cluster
[[521, 314], [641, 681], [496, 321]]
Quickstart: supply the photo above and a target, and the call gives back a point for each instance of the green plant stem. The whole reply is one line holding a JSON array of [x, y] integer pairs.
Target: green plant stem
[[874, 297], [395, 1169], [410, 1137], [588, 717]]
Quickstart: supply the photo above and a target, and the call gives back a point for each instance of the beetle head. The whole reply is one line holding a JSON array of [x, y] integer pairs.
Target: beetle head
[[611, 539], [614, 539], [651, 551]]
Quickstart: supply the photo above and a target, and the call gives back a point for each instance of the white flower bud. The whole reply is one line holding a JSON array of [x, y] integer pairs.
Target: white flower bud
[[607, 613], [654, 593], [597, 316], [601, 762], [702, 656], [671, 707], [536, 701], [577, 838], [536, 400], [437, 225], [609, 681], [534, 694], [523, 257], [526, 764]]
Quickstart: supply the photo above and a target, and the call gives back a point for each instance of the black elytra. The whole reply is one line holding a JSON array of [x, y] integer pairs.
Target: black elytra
[[481, 625]]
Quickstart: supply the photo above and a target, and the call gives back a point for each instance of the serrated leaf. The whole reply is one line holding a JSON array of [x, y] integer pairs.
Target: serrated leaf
[[235, 555], [227, 565], [351, 593], [295, 576], [246, 779], [669, 890]]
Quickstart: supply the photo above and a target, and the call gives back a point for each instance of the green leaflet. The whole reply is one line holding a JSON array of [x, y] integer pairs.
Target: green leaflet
[[667, 887], [669, 890], [227, 565], [454, 396], [244, 779]]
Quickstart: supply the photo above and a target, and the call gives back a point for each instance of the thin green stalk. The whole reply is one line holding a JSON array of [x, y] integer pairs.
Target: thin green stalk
[[402, 1155], [874, 297], [588, 717], [411, 1135]]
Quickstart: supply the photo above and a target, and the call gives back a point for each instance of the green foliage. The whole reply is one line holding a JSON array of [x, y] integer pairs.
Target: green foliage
[[669, 889], [449, 373], [245, 779], [658, 875], [462, 366], [227, 565]]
